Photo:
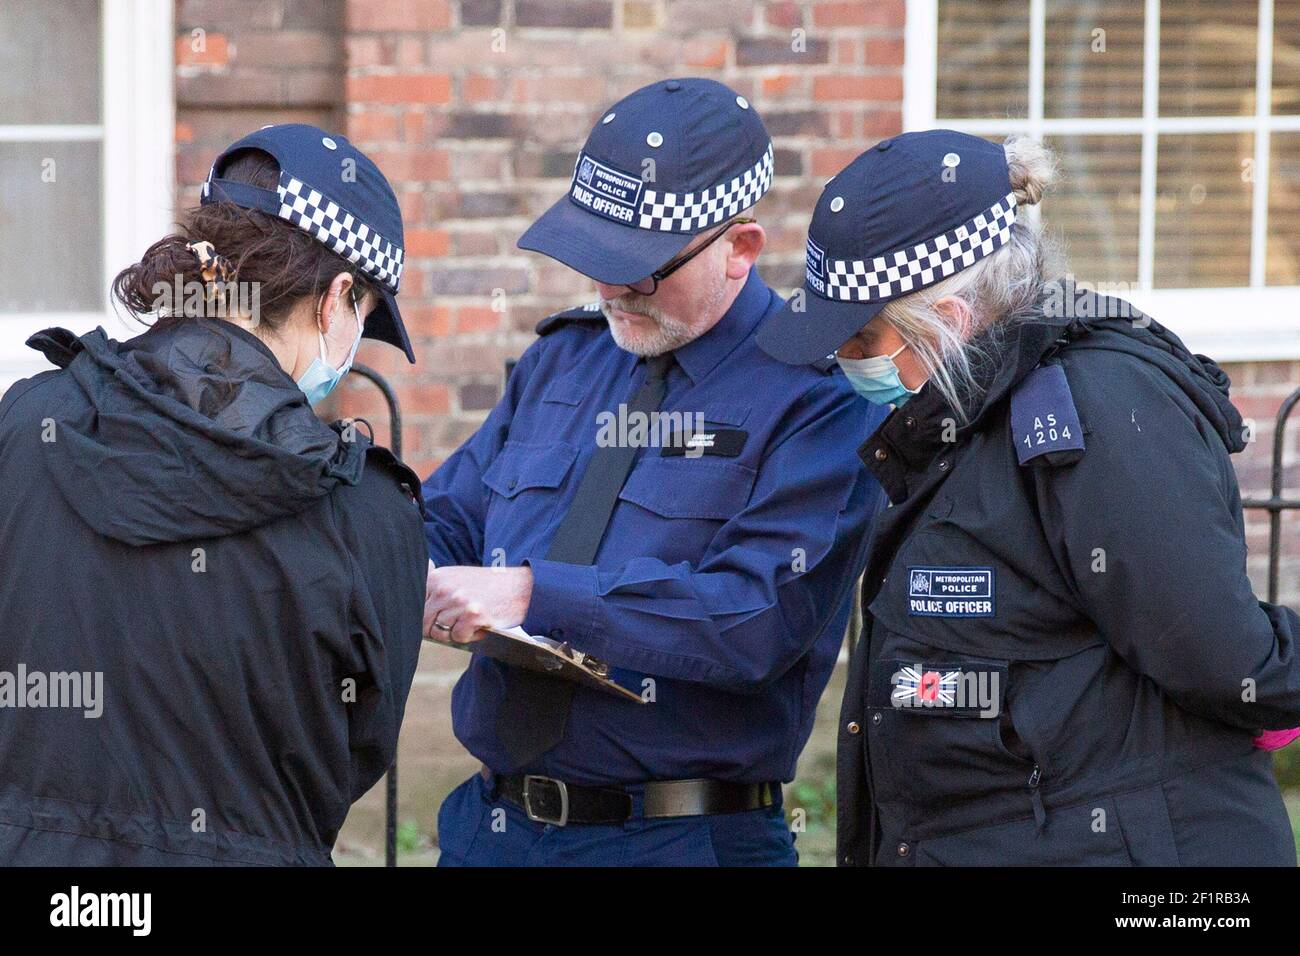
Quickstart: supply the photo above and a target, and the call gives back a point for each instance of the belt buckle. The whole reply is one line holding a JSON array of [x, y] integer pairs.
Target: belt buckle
[[531, 779]]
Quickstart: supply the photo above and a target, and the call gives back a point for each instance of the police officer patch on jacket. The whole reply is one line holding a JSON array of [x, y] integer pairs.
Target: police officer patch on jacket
[[1044, 420], [950, 592]]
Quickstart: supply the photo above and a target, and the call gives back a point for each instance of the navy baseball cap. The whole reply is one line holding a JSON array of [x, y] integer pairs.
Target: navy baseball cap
[[662, 165], [907, 213], [333, 191]]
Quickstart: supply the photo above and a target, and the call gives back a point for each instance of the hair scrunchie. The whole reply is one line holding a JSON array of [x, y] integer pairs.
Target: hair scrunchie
[[213, 266]]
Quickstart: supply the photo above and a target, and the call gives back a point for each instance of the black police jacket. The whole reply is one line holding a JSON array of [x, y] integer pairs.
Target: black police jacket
[[210, 606], [1063, 661]]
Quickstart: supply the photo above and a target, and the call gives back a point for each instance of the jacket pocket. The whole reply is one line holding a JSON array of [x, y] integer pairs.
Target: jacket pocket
[[1085, 834], [935, 727], [1142, 817]]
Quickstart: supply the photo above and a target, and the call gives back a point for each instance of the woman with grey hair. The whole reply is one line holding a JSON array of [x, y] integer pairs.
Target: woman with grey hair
[[1062, 660]]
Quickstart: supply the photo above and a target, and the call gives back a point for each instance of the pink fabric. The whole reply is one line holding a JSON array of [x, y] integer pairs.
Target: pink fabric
[[1276, 739]]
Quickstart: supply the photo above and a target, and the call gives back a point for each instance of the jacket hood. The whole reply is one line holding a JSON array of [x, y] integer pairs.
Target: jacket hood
[[191, 430], [1104, 322]]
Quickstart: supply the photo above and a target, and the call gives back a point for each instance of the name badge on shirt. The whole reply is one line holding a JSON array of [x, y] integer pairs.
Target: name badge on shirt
[[726, 442], [950, 592]]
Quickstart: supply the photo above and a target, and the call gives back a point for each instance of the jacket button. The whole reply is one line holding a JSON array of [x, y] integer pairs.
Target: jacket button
[[854, 727], [881, 454], [909, 421], [875, 718], [943, 466], [848, 859], [512, 483], [903, 849]]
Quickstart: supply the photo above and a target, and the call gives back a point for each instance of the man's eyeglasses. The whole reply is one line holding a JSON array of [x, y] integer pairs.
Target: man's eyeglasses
[[650, 284]]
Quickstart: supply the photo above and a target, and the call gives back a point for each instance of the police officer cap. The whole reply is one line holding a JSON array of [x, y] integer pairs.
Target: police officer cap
[[333, 191], [660, 166], [906, 214]]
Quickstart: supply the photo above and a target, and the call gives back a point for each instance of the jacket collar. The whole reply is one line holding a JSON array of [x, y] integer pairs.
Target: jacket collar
[[912, 436]]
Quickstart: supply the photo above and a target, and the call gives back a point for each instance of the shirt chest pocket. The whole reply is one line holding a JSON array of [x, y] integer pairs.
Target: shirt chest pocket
[[525, 478], [674, 505], [690, 488]]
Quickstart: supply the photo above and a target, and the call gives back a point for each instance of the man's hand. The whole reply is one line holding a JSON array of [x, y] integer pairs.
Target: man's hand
[[461, 600]]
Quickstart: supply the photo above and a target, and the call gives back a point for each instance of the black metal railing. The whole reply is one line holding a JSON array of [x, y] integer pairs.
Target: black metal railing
[[1275, 504]]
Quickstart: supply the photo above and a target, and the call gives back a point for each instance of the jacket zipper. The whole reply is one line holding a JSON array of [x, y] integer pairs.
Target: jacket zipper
[[1036, 797]]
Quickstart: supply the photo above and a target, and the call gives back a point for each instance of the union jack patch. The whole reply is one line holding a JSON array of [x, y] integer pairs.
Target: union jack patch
[[938, 688], [925, 687]]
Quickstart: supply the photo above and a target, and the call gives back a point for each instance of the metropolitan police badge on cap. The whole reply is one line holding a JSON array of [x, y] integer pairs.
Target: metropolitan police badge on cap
[[606, 191], [601, 189]]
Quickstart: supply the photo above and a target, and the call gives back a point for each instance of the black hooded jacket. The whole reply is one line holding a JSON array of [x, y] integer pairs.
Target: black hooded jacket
[[1063, 660], [243, 583]]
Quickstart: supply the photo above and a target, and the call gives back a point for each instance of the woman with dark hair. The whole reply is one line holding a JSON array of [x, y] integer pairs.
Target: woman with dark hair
[[211, 599], [1062, 659]]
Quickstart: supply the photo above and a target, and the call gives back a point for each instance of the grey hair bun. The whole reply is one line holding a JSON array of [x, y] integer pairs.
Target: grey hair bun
[[1033, 168]]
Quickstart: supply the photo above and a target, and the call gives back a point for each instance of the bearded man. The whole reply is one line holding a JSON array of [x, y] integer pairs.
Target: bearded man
[[710, 564]]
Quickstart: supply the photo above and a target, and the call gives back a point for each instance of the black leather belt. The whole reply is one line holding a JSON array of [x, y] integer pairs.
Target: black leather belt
[[547, 800]]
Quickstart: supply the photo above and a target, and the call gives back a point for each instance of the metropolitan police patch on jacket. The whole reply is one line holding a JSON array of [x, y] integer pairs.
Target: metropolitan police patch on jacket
[[950, 592]]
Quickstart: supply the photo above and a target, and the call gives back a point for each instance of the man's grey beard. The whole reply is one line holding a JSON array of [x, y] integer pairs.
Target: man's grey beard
[[668, 334]]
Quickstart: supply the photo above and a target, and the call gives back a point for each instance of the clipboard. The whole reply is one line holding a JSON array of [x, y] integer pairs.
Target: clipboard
[[556, 658]]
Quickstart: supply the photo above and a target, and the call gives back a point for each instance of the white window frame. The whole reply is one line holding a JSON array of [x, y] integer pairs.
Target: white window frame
[[1249, 323], [137, 166]]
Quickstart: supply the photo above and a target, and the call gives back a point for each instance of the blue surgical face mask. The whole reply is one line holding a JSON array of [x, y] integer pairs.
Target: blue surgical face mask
[[321, 377], [876, 378]]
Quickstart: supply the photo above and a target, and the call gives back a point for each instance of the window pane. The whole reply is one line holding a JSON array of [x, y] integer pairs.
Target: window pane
[[1092, 58], [1203, 208], [1286, 56], [50, 201], [50, 53], [1283, 250], [1095, 207], [983, 59], [1207, 57]]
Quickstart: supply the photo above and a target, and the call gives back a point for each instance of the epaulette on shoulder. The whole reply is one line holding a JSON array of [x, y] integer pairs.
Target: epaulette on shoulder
[[825, 365], [1045, 424], [582, 313]]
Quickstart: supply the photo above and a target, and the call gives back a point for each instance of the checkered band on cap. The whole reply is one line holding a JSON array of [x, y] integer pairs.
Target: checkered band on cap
[[690, 212], [906, 270], [341, 231]]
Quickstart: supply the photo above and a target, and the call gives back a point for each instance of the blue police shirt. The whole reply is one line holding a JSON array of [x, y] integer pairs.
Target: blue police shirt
[[721, 589]]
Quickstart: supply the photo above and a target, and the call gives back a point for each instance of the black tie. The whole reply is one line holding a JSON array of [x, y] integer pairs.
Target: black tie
[[536, 707]]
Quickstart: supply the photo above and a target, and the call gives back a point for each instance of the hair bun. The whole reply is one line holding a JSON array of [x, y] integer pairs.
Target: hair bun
[[1032, 168]]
